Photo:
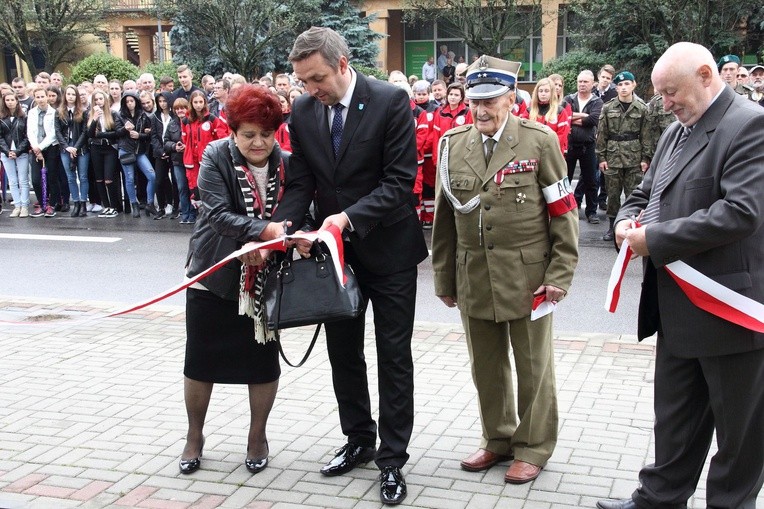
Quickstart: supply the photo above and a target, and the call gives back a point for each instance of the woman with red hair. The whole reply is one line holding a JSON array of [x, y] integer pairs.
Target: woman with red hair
[[200, 127], [241, 180]]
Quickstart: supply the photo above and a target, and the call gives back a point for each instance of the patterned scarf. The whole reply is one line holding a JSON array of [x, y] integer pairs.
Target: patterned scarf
[[253, 278]]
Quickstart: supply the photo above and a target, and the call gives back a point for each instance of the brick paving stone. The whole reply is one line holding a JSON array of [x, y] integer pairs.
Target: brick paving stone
[[97, 416]]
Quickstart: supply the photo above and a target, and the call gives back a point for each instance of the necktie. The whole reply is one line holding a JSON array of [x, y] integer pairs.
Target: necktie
[[652, 211], [70, 124], [490, 143], [337, 128]]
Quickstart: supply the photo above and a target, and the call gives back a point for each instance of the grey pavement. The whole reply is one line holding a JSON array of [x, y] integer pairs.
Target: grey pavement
[[92, 416]]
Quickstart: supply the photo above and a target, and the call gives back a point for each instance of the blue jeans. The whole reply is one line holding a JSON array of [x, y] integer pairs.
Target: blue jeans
[[79, 171], [186, 211], [17, 172], [129, 169]]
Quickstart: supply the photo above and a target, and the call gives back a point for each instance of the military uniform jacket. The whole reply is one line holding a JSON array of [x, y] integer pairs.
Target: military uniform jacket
[[493, 258], [658, 120], [623, 137]]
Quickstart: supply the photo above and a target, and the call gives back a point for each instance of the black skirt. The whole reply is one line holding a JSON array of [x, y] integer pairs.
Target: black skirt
[[221, 346]]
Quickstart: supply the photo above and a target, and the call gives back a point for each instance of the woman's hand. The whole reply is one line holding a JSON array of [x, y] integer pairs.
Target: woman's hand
[[275, 230], [256, 257], [72, 151]]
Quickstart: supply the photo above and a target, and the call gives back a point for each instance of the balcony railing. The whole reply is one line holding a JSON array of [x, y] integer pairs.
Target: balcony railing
[[131, 5]]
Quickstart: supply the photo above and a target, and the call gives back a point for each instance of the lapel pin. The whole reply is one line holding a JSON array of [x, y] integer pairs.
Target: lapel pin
[[360, 107]]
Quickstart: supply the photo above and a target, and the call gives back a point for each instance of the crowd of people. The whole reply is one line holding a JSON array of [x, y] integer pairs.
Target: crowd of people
[[107, 148]]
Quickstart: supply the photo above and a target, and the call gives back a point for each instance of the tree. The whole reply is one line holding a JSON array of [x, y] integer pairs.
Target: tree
[[491, 27], [236, 35], [51, 29], [114, 68], [345, 19], [635, 33]]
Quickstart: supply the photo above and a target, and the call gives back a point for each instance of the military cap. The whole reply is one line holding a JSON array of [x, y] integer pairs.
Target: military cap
[[623, 76], [726, 59], [489, 77]]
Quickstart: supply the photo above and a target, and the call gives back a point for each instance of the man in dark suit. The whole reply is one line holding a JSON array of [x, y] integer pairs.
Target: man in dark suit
[[354, 153], [701, 203]]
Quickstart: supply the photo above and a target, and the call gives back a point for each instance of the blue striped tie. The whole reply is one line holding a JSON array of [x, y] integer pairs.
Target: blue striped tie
[[337, 128], [652, 211]]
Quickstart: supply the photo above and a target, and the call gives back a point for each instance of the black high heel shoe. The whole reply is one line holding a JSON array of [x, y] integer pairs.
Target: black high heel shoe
[[258, 464], [192, 465]]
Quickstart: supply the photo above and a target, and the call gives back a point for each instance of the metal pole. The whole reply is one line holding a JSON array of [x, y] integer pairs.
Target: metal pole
[[160, 35]]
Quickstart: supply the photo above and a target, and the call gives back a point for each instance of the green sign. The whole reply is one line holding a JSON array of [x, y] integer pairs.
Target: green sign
[[417, 53]]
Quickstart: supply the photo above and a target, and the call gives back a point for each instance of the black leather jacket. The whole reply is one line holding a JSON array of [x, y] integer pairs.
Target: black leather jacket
[[74, 134], [172, 136], [586, 132], [223, 225], [11, 132]]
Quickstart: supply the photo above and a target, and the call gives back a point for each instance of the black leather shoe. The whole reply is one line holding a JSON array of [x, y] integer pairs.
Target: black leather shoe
[[258, 464], [392, 487], [616, 504], [192, 465], [348, 457]]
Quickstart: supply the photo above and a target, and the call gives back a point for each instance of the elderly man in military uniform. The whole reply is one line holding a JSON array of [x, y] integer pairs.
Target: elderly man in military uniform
[[728, 66], [623, 149], [505, 241]]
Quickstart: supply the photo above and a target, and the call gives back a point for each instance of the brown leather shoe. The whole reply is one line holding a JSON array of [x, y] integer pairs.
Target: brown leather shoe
[[482, 460], [521, 472]]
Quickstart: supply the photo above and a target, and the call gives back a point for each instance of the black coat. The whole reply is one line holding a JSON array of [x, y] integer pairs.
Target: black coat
[[172, 136], [74, 134], [14, 132]]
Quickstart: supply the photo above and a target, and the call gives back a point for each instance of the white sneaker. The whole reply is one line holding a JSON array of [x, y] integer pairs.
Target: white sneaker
[[94, 207], [16, 212], [168, 210], [24, 212]]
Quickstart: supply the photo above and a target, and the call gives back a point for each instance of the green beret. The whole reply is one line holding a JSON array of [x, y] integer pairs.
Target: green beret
[[726, 59], [623, 76]]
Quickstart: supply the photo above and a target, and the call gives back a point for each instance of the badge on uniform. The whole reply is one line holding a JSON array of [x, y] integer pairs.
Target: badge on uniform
[[516, 167]]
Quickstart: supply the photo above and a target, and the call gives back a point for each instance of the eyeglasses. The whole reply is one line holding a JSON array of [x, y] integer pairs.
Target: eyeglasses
[[742, 75]]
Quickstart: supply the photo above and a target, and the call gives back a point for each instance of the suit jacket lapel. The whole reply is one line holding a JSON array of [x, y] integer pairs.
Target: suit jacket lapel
[[324, 135], [356, 111], [702, 132]]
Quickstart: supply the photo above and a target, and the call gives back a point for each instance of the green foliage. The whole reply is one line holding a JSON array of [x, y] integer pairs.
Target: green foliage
[[571, 64], [102, 63], [344, 18], [369, 71]]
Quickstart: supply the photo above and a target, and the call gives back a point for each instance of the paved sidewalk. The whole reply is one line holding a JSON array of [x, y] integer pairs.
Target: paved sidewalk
[[92, 416]]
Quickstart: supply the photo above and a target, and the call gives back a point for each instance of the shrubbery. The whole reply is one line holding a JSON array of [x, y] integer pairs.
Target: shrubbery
[[112, 67], [571, 64]]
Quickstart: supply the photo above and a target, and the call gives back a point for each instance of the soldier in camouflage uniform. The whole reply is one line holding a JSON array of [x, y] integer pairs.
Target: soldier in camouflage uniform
[[658, 119], [728, 66], [622, 144]]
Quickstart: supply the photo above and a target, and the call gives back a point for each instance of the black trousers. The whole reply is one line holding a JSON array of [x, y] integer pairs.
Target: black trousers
[[393, 300], [694, 398], [52, 162], [586, 157]]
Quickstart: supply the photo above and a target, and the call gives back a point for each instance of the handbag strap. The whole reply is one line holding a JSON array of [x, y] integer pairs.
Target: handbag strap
[[307, 354]]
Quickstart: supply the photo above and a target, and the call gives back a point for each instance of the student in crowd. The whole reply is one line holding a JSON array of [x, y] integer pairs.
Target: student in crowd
[[115, 95], [14, 152], [134, 134], [103, 138], [41, 131], [175, 147], [199, 129], [546, 109], [160, 121], [71, 132], [282, 134]]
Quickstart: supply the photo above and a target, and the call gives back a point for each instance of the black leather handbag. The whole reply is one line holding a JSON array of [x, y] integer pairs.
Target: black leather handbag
[[307, 291]]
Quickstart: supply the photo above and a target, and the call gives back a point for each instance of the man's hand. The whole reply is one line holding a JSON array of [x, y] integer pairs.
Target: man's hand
[[638, 240], [645, 166], [448, 301], [275, 230], [603, 166], [340, 220], [553, 294]]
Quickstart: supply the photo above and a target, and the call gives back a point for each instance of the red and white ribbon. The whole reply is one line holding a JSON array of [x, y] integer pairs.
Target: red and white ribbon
[[541, 307], [331, 237], [702, 291]]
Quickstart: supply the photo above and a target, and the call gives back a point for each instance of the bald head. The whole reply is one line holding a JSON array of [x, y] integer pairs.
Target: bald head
[[687, 79]]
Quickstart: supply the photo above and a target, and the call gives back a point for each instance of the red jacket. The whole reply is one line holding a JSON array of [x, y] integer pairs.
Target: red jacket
[[196, 136], [282, 136], [446, 118], [561, 126]]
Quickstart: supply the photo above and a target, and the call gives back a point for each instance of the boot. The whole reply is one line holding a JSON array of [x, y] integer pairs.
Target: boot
[[610, 235], [136, 209], [150, 210], [76, 209], [83, 209]]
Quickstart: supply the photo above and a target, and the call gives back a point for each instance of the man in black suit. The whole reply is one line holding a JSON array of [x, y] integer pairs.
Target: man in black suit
[[701, 203], [354, 153]]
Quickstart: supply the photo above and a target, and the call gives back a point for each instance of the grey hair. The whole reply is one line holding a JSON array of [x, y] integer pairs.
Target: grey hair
[[324, 41], [421, 86]]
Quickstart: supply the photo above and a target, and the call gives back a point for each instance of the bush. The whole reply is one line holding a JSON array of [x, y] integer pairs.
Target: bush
[[370, 71], [102, 63], [571, 64]]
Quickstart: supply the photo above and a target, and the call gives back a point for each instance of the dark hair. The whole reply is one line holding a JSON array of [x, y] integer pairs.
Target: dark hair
[[55, 90], [457, 86], [63, 108], [253, 104], [324, 41], [193, 115], [5, 112]]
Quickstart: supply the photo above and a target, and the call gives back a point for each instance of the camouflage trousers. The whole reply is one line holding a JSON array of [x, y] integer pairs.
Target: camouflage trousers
[[619, 180]]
